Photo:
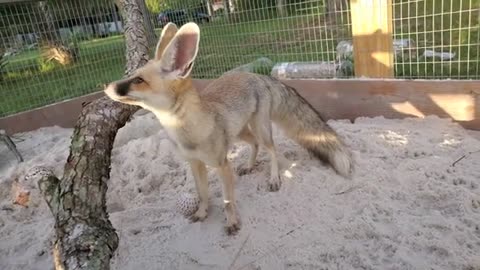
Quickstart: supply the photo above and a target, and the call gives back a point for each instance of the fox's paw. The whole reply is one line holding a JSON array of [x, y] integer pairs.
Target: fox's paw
[[232, 229], [233, 220], [273, 184], [200, 215], [246, 168]]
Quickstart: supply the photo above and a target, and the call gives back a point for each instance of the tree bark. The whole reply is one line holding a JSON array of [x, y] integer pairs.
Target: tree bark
[[85, 238]]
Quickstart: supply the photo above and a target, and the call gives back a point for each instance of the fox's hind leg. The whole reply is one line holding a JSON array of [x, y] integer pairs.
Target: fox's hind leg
[[262, 128], [228, 178], [247, 136]]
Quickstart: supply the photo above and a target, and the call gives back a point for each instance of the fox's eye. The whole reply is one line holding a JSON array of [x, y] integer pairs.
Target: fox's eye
[[137, 80]]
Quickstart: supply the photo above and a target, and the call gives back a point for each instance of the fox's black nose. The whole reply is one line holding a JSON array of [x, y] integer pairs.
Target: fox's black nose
[[122, 88]]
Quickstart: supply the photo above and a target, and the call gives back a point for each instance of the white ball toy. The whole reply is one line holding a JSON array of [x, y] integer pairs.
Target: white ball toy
[[187, 204]]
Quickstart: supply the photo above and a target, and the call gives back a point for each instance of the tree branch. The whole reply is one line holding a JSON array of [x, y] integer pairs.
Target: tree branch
[[85, 238]]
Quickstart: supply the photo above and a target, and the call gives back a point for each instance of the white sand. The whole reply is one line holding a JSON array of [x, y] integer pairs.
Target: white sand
[[407, 207]]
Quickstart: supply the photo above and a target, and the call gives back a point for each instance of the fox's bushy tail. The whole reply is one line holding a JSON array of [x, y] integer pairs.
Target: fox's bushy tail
[[302, 123]]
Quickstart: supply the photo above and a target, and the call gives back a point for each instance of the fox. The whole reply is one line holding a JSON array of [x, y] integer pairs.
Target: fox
[[237, 106]]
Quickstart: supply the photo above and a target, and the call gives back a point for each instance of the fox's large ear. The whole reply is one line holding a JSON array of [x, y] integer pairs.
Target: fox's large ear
[[167, 35], [178, 57]]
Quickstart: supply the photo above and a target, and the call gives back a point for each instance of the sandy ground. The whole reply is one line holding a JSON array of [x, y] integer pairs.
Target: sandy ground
[[406, 208]]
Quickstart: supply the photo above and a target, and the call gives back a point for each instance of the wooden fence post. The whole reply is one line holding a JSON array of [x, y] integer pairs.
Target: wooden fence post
[[372, 30]]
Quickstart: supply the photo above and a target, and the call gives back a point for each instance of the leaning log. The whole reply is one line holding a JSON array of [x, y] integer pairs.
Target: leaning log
[[84, 235]]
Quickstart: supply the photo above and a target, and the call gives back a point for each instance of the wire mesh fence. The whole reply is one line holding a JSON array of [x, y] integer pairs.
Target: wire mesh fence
[[54, 50], [437, 39]]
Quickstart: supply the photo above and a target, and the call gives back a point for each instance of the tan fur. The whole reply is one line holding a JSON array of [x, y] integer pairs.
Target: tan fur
[[237, 106]]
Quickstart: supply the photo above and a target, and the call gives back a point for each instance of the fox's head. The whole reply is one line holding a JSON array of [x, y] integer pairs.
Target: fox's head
[[155, 86]]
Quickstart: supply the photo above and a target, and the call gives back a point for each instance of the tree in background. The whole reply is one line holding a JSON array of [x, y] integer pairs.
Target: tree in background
[[209, 8], [156, 6], [14, 20], [54, 14], [49, 36], [334, 9], [147, 19], [226, 8], [46, 18], [280, 7]]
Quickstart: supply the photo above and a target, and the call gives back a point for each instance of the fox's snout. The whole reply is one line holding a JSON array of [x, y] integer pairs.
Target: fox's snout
[[119, 88]]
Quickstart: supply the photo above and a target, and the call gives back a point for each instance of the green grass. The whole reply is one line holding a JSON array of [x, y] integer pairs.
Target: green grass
[[227, 44], [223, 46], [25, 86]]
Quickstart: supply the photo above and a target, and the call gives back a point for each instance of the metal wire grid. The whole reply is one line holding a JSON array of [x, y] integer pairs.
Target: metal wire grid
[[253, 29], [28, 79], [297, 30], [444, 38], [301, 31]]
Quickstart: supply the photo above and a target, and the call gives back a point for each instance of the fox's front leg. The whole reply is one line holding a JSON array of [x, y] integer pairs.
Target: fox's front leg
[[199, 172], [226, 172]]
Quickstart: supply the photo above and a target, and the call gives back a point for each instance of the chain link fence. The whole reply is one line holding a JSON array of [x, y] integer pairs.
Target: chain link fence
[[55, 50]]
